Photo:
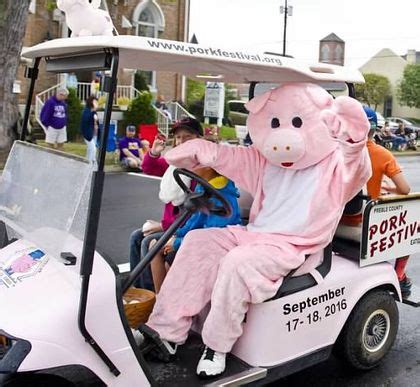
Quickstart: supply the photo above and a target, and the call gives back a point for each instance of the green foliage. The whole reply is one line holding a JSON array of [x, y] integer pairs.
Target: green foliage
[[409, 87], [50, 5], [74, 111], [140, 82], [195, 91], [227, 133], [196, 108], [230, 94], [140, 110], [374, 91]]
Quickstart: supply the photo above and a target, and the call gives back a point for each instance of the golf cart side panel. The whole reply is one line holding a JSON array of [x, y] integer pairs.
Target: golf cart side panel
[[205, 63], [53, 330], [291, 327]]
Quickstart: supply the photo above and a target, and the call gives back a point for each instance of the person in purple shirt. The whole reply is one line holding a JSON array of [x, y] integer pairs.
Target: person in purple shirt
[[54, 118], [130, 149]]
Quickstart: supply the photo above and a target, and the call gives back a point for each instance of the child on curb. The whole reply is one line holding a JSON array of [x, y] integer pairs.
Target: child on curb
[[162, 261]]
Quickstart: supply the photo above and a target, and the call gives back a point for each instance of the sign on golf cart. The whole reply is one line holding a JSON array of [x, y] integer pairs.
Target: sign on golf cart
[[391, 230]]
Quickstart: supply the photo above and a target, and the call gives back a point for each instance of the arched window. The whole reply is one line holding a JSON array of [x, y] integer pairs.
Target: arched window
[[338, 53], [149, 20], [325, 53]]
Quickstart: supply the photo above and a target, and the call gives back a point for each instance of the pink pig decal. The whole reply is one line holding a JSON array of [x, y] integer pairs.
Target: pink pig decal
[[308, 159], [22, 264]]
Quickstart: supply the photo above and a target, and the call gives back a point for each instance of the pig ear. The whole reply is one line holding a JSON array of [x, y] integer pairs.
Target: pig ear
[[258, 102]]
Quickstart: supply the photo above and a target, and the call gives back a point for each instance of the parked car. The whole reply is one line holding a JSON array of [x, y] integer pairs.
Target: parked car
[[237, 112], [408, 124], [381, 119]]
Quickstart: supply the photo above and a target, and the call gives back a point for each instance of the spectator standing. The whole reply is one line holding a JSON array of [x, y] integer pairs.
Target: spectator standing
[[130, 149], [54, 118], [89, 127]]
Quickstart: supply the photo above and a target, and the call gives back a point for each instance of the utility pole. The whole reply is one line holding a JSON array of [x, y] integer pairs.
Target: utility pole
[[288, 11]]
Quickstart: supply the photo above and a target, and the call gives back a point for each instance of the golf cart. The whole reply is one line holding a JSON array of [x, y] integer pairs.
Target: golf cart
[[62, 301]]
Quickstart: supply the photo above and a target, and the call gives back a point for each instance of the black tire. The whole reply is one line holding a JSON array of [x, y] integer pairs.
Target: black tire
[[370, 331], [35, 380]]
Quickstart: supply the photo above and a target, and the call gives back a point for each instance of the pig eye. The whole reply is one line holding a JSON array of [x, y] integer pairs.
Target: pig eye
[[275, 123], [297, 122]]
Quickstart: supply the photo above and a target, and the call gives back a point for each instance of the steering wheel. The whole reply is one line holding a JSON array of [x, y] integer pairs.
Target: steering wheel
[[201, 200]]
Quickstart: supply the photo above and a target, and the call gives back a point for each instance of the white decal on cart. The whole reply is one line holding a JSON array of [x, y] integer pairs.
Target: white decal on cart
[[304, 317], [22, 264]]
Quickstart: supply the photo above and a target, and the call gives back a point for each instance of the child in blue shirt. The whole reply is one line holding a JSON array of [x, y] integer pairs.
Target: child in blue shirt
[[227, 188]]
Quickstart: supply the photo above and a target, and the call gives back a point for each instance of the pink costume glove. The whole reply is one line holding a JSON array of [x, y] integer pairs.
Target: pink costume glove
[[346, 120]]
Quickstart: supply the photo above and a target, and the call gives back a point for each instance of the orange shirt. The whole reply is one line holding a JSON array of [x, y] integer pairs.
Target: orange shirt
[[383, 163]]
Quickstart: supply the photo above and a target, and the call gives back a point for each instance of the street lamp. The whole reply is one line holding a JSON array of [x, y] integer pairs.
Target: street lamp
[[287, 11]]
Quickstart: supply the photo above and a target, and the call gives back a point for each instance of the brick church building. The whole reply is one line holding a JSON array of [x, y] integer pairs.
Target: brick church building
[[166, 19]]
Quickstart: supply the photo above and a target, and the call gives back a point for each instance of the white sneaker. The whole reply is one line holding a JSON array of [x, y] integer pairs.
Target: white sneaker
[[212, 363]]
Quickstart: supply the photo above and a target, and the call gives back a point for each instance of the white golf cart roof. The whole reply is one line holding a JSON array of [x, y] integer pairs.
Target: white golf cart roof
[[197, 61]]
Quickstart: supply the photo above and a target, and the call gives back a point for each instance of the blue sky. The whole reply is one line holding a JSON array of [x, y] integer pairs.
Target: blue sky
[[366, 26]]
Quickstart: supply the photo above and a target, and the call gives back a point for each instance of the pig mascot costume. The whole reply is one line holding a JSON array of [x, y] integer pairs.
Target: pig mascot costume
[[307, 161]]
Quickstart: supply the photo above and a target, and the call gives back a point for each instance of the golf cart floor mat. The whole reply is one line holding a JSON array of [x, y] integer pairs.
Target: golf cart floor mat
[[181, 371], [414, 298]]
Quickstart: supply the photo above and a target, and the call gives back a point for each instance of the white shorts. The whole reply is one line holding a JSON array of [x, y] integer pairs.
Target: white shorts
[[53, 135]]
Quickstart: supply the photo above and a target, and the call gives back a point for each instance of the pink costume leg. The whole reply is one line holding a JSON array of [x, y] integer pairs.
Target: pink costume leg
[[188, 286], [247, 274]]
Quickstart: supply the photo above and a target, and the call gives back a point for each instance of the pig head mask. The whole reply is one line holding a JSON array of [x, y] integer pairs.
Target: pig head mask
[[288, 125]]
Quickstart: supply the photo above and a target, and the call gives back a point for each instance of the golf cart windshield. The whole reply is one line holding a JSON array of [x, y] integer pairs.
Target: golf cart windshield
[[44, 196]]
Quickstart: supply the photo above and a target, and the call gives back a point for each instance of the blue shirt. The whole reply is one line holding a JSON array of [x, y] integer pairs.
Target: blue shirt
[[202, 220]]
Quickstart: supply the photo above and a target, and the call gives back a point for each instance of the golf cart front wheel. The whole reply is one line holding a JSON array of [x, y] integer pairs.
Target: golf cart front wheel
[[370, 330]]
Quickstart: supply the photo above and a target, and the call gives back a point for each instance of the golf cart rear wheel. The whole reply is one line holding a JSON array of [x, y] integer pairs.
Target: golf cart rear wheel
[[370, 330]]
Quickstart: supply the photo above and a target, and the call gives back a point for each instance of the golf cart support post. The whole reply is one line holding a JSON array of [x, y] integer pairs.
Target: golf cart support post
[[107, 60]]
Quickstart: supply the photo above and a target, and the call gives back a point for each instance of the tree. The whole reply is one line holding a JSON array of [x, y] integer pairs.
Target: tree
[[74, 110], [140, 110], [374, 91], [409, 87], [140, 82], [13, 15]]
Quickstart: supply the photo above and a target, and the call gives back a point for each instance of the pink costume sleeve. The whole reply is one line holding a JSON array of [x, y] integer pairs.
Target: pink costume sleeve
[[348, 124], [357, 168], [242, 165], [155, 166]]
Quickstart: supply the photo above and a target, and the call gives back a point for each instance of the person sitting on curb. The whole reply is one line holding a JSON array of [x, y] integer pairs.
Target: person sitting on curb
[[130, 149], [383, 164]]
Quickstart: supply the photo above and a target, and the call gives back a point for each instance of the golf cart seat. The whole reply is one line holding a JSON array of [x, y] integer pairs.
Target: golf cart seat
[[346, 241], [245, 202], [310, 273]]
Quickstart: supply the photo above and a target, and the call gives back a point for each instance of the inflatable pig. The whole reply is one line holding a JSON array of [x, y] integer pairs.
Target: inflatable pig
[[307, 160], [84, 19]]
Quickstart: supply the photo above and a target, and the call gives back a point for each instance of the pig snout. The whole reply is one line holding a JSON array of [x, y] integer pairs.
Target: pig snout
[[284, 147]]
